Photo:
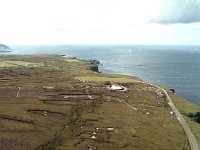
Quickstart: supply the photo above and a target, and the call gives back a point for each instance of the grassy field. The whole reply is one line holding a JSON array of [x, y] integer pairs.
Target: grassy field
[[62, 104], [19, 63], [110, 78]]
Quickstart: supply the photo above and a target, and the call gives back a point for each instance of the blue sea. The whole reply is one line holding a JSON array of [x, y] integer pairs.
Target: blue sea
[[177, 67]]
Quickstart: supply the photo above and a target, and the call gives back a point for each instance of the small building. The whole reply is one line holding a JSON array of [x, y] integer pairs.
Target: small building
[[116, 87], [47, 87], [93, 137], [110, 129]]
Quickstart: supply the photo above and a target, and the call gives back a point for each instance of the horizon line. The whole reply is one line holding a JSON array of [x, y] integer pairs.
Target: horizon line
[[107, 44]]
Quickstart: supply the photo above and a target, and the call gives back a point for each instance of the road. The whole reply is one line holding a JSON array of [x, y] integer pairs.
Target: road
[[191, 138]]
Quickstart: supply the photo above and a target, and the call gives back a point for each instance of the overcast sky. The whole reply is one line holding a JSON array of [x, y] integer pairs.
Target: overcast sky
[[169, 22]]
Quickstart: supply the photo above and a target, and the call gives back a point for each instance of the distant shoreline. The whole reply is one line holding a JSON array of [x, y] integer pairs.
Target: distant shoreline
[[4, 48]]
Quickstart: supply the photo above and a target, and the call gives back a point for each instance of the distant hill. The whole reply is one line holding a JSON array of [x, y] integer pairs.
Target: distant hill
[[4, 47]]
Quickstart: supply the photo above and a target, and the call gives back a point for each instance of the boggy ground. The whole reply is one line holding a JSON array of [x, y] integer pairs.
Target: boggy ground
[[62, 104]]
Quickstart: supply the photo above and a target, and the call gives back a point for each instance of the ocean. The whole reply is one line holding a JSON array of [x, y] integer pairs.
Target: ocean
[[177, 67]]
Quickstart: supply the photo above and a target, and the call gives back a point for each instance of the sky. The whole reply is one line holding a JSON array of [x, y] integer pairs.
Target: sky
[[157, 22]]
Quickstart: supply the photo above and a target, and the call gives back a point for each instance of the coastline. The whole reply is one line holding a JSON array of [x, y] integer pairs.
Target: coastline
[[190, 135], [184, 121], [147, 68], [179, 115], [51, 84]]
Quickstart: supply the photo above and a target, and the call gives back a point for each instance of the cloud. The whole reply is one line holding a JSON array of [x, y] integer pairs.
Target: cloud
[[178, 11]]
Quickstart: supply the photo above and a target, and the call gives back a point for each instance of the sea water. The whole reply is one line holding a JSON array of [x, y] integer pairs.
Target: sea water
[[177, 67]]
